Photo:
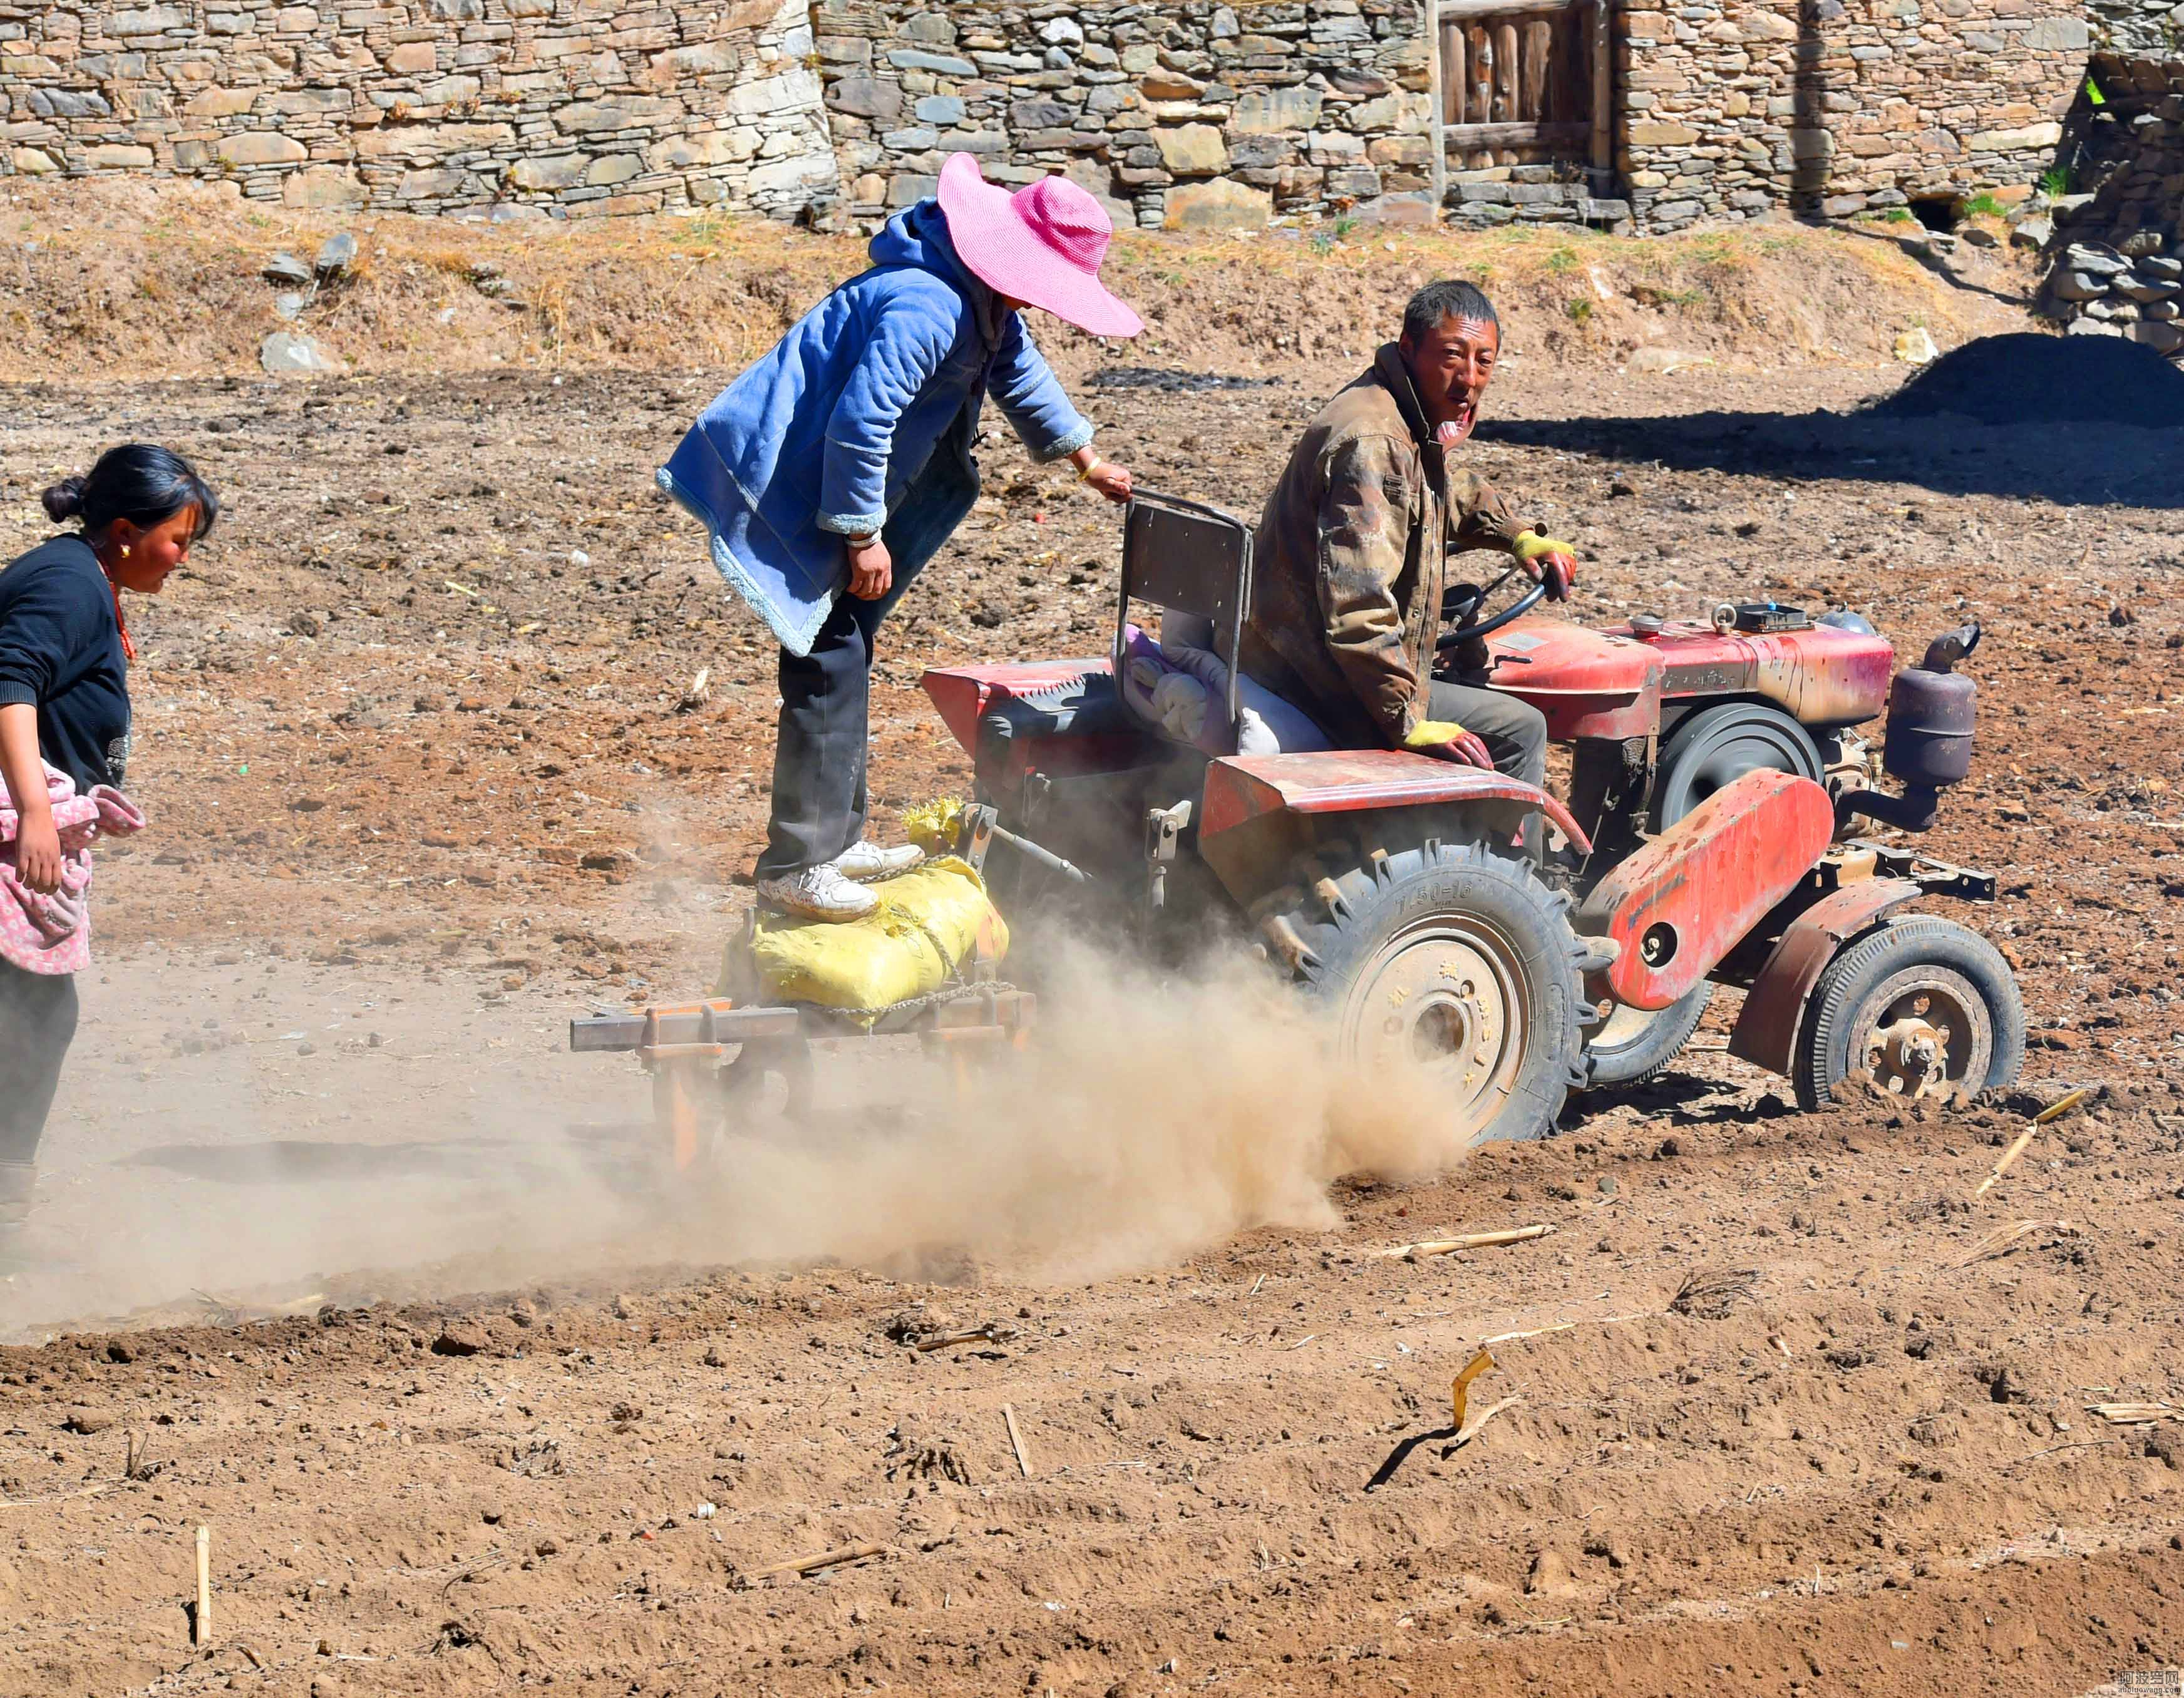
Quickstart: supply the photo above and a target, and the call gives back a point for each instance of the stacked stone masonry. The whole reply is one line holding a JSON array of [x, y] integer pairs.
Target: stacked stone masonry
[[2114, 270], [1195, 114], [1836, 106], [575, 106], [2139, 26]]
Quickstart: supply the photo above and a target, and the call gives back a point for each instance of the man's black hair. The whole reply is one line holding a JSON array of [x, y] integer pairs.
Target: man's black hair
[[1450, 298]]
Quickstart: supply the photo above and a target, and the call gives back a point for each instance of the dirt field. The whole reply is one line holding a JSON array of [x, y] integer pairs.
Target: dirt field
[[428, 774]]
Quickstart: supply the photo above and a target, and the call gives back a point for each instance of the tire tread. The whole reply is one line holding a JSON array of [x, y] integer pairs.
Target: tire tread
[[1886, 948], [1338, 929]]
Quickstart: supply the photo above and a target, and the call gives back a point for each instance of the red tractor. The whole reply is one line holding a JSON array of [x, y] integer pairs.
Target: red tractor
[[1717, 778]]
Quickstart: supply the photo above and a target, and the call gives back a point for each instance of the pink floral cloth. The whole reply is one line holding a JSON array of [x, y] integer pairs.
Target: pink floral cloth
[[51, 934]]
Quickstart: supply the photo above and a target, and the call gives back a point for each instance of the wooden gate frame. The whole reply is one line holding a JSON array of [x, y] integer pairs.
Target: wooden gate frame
[[1506, 134]]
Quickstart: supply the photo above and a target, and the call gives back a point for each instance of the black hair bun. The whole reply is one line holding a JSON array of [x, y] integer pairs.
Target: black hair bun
[[64, 500]]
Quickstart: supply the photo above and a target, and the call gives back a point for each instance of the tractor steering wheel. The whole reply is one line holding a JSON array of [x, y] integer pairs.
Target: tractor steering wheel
[[1462, 602]]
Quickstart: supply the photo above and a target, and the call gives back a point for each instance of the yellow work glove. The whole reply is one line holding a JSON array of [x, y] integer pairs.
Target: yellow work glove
[[1446, 740], [1530, 545], [1548, 559]]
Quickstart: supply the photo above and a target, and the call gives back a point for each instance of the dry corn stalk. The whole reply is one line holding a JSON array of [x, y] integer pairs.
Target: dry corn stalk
[[2135, 1414], [2002, 1239], [1477, 1419], [1710, 1293], [992, 1333], [2054, 1111], [2008, 1156], [1015, 1441], [2062, 1106], [805, 1565], [1530, 1333], [1493, 1240], [1460, 1387], [200, 1620]]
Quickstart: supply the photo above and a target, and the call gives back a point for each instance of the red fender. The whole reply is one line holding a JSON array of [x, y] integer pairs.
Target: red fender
[[1691, 895], [1766, 1031], [1254, 820], [1240, 788]]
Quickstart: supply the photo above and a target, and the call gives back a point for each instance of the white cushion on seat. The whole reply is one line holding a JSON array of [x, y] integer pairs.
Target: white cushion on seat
[[1188, 701]]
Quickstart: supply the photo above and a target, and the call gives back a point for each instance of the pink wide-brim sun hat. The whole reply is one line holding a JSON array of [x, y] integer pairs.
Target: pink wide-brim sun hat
[[1042, 244]]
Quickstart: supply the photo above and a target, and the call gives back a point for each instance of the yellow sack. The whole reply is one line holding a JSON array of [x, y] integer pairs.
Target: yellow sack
[[929, 921]]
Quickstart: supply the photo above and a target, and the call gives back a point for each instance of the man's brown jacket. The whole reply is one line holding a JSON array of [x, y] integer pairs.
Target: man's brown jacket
[[1348, 567]]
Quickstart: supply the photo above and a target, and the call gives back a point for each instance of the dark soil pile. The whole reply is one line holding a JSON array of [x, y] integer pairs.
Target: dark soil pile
[[2032, 379], [1173, 382]]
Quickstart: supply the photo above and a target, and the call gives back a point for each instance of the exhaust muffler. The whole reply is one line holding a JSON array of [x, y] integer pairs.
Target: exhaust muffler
[[1928, 744]]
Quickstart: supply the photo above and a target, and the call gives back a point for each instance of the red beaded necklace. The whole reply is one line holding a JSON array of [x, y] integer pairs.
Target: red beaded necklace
[[120, 619]]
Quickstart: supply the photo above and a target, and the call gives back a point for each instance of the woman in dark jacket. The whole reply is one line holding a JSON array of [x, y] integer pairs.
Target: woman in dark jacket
[[65, 654]]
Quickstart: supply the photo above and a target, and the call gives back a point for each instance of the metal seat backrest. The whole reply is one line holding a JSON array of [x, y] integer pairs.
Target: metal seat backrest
[[1185, 556]]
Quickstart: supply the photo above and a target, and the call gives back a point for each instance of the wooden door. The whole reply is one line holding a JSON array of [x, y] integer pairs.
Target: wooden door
[[1527, 74]]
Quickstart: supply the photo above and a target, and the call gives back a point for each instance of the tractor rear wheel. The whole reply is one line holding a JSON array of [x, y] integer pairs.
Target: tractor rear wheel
[[1450, 958], [1926, 1008], [1632, 1045]]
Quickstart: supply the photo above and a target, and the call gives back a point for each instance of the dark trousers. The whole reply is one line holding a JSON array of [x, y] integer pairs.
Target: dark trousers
[[1515, 732], [37, 1022], [821, 738]]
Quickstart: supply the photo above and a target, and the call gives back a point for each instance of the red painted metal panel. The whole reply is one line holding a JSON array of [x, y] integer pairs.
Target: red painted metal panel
[[963, 694], [1240, 788], [1691, 895], [1587, 683], [1766, 1031], [1820, 675]]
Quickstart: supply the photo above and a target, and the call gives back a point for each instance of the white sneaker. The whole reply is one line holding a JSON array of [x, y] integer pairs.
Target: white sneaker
[[818, 893], [865, 862]]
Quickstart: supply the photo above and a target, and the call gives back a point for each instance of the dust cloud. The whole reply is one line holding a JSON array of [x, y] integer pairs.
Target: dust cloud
[[1150, 1117], [456, 1150]]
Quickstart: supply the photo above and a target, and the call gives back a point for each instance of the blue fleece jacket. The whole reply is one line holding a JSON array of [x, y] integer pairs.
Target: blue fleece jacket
[[862, 419]]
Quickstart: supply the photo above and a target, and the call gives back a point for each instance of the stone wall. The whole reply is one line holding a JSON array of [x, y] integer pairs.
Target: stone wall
[[580, 106], [1195, 115], [2114, 270], [1199, 113], [2138, 26], [1736, 109]]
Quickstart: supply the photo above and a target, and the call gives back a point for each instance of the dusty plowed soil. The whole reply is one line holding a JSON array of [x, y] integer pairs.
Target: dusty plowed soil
[[371, 1281]]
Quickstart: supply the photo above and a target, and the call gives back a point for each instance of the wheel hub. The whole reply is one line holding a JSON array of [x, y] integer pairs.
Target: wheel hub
[[1925, 1037], [1447, 998], [1446, 1024], [1909, 1057]]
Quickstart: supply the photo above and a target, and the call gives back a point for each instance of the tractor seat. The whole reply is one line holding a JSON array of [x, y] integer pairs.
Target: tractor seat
[[1193, 563]]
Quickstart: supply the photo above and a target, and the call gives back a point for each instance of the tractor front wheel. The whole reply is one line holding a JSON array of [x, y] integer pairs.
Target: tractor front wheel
[[1924, 1008], [1451, 959]]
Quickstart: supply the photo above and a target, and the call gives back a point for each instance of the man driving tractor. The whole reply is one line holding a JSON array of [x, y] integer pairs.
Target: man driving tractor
[[1407, 903], [1351, 555]]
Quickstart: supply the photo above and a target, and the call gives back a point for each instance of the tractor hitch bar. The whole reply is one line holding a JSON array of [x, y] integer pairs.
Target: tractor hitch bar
[[718, 1022], [981, 830]]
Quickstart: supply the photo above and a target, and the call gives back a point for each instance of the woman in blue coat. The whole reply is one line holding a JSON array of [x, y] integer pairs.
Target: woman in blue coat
[[842, 462]]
